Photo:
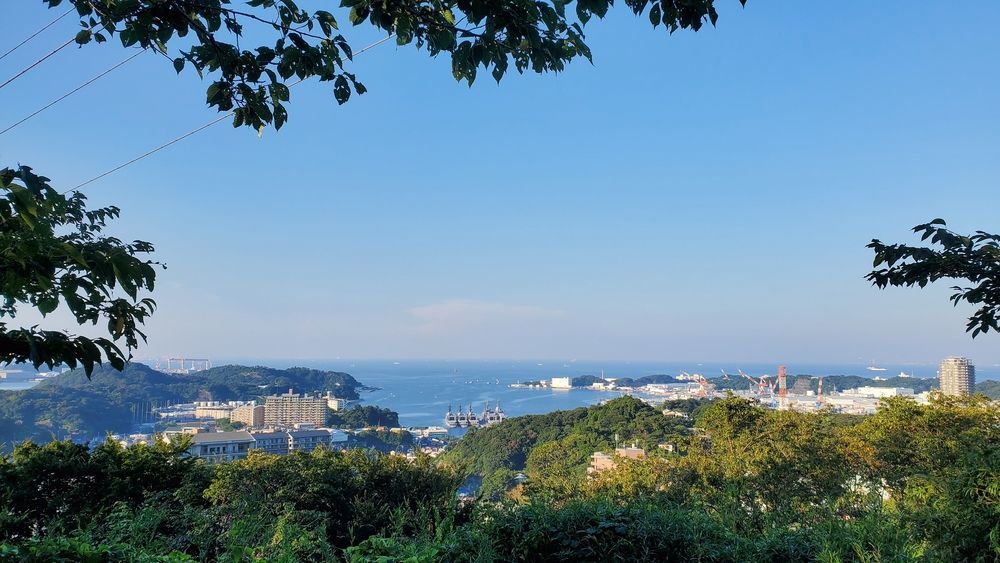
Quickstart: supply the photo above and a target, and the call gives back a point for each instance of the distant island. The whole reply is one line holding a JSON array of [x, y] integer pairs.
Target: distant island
[[71, 406], [589, 380]]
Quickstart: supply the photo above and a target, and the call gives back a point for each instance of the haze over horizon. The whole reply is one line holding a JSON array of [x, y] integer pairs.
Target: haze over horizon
[[701, 195]]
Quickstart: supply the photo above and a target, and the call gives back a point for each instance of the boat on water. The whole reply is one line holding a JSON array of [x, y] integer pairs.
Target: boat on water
[[492, 416], [469, 419], [872, 367]]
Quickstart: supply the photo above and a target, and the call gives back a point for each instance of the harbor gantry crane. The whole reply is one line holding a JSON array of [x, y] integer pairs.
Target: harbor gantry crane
[[764, 387], [704, 386]]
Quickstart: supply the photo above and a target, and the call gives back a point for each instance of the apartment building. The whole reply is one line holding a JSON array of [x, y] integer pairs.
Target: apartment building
[[957, 376], [250, 415], [216, 447], [288, 409]]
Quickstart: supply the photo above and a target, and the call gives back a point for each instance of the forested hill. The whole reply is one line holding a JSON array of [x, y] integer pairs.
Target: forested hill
[[497, 453], [990, 388], [586, 380], [223, 383], [71, 406]]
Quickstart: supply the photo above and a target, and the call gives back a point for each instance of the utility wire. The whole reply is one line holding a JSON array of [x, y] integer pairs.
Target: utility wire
[[193, 131], [375, 44], [71, 92], [33, 35], [38, 62], [153, 151]]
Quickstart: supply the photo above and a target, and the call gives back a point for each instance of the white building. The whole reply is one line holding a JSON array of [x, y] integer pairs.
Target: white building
[[216, 447], [880, 392], [308, 440], [334, 403], [561, 382], [957, 375], [216, 411]]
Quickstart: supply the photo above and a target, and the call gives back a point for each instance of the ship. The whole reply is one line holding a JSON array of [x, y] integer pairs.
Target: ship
[[871, 367], [494, 416], [469, 419]]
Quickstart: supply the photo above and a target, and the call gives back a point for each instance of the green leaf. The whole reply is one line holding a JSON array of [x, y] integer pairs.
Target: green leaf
[[47, 304], [341, 90], [655, 15]]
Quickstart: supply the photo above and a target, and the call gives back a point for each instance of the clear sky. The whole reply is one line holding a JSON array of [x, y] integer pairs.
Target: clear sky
[[703, 196]]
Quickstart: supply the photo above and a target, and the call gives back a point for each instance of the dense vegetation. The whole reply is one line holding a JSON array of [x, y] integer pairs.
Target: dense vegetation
[[496, 454], [381, 440], [71, 406], [990, 388], [909, 483], [62, 501], [586, 380], [365, 416]]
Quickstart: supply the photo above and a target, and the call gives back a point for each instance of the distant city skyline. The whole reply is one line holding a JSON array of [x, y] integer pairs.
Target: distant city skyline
[[699, 196]]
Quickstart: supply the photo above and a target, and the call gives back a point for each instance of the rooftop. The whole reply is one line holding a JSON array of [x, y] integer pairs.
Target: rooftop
[[209, 437], [308, 433]]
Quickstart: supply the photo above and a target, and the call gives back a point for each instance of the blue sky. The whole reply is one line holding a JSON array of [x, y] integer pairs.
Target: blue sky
[[701, 196]]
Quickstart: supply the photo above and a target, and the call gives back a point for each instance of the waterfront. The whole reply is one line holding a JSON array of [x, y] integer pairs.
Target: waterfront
[[20, 379], [421, 390]]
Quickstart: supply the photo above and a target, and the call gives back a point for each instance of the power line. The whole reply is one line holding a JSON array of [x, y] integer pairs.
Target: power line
[[375, 44], [38, 62], [151, 152], [193, 131], [71, 92], [33, 35]]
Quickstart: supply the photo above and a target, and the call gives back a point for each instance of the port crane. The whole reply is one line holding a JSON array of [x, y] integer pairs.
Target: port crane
[[704, 386], [764, 387]]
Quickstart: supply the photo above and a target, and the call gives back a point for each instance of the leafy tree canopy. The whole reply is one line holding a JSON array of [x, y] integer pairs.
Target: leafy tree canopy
[[911, 483], [973, 258], [365, 416], [51, 253], [496, 453], [253, 81]]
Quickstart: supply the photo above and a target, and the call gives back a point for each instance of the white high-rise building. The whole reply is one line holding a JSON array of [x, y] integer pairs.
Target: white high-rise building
[[561, 382], [957, 376]]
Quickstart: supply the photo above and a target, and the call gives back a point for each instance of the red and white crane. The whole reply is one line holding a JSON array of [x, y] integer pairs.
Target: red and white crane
[[764, 387]]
